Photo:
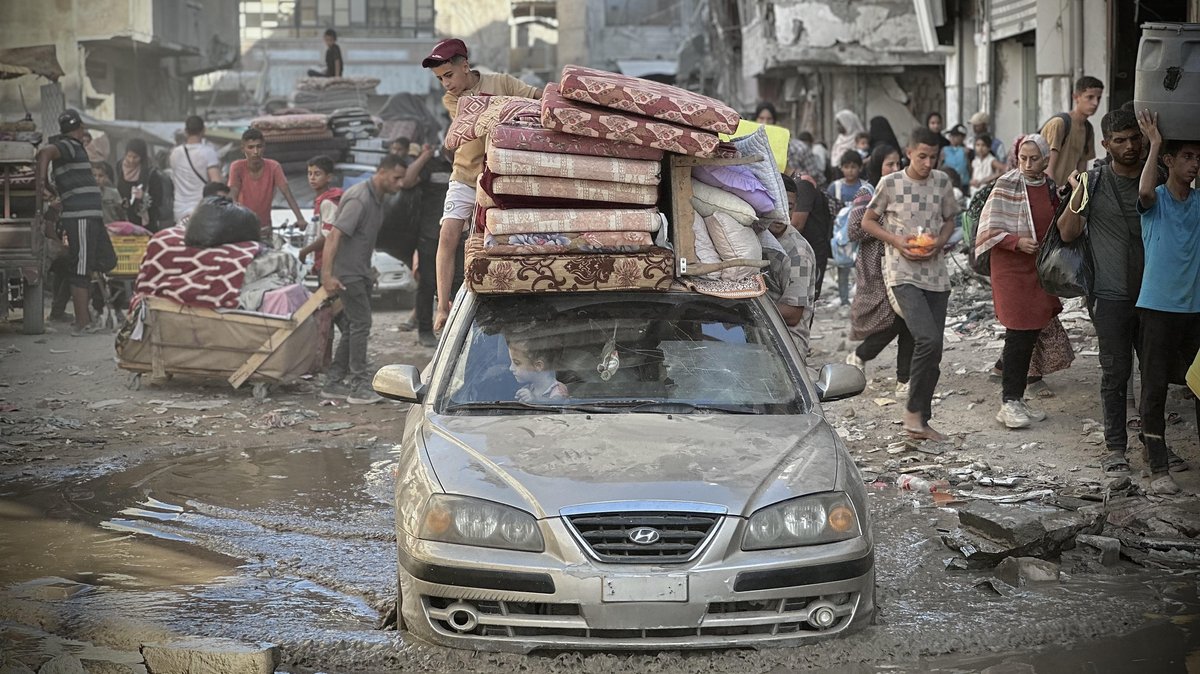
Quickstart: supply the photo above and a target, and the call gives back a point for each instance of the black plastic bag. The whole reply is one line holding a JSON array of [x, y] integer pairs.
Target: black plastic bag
[[218, 221], [1065, 269]]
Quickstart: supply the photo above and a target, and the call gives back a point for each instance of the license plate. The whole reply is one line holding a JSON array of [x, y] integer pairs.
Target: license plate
[[673, 587]]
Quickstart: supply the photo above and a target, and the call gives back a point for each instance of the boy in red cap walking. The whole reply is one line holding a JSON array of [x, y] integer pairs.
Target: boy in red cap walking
[[450, 66]]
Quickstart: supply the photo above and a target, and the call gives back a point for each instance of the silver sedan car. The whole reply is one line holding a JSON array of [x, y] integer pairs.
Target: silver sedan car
[[625, 470]]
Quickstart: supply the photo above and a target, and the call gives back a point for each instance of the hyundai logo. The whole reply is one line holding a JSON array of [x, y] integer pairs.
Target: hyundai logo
[[644, 536]]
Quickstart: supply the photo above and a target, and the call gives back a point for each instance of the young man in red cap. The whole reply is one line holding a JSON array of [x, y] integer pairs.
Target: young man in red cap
[[450, 66]]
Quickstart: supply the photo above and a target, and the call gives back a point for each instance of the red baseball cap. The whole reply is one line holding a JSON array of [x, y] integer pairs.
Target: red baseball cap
[[444, 51]]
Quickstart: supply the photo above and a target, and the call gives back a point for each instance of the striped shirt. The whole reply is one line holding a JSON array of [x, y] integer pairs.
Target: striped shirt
[[73, 180]]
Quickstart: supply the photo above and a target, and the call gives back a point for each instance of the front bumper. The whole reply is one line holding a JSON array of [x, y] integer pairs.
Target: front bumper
[[485, 599]]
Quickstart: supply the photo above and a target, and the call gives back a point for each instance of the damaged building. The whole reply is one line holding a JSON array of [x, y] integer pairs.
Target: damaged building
[[122, 59], [812, 58]]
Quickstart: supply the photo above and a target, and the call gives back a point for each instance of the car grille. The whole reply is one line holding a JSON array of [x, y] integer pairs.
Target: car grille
[[607, 535], [762, 619]]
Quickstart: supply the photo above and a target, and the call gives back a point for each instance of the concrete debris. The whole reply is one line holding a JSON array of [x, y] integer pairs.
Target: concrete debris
[[282, 418], [103, 404], [996, 586], [63, 664], [990, 533], [210, 656], [13, 666], [195, 406], [333, 426], [1022, 571], [1109, 548]]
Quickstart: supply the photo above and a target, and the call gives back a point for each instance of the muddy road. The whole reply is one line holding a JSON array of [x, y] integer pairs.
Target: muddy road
[[187, 509]]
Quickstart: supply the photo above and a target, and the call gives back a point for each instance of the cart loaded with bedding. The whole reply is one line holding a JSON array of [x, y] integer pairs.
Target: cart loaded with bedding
[[210, 300]]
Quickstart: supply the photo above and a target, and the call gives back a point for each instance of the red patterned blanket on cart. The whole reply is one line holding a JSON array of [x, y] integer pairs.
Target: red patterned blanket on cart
[[198, 277]]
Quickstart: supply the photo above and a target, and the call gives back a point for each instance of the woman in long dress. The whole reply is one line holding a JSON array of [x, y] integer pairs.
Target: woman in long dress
[[1014, 222]]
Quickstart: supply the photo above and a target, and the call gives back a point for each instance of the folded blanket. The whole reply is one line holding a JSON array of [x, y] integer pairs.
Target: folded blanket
[[652, 270], [570, 220], [272, 270], [534, 137], [199, 277], [574, 188], [582, 119], [646, 97], [493, 199], [569, 242], [478, 115], [291, 123], [507, 162]]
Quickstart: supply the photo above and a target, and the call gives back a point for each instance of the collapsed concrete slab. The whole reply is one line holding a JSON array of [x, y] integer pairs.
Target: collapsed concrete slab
[[210, 656], [1022, 571], [63, 664], [990, 533]]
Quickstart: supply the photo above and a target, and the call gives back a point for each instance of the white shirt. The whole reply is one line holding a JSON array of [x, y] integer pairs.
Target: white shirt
[[188, 185]]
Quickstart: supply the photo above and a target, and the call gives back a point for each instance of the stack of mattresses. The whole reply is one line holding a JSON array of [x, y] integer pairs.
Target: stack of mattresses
[[572, 185], [293, 139], [326, 94]]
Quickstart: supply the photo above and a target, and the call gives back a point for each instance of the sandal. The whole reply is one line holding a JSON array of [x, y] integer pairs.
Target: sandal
[[1115, 463], [1173, 418], [1164, 485], [1039, 389], [1134, 423], [925, 433]]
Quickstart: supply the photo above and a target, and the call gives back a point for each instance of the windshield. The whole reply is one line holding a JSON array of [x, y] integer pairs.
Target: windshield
[[622, 352]]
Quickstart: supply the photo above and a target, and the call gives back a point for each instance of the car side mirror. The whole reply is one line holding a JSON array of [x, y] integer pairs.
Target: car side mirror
[[399, 382], [839, 381]]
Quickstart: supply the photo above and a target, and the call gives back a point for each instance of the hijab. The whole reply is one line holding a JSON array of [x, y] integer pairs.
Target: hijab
[[1007, 209], [851, 127], [881, 133]]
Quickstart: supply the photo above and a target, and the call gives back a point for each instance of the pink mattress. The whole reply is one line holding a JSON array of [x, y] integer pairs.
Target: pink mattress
[[575, 189], [570, 220], [539, 139], [644, 97], [507, 162], [567, 242], [582, 119], [478, 115]]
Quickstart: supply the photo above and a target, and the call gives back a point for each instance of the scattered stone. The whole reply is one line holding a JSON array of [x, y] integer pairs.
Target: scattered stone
[[1110, 548], [14, 666], [332, 426], [63, 664], [1022, 571], [1119, 483], [990, 533], [196, 405], [210, 656], [884, 402]]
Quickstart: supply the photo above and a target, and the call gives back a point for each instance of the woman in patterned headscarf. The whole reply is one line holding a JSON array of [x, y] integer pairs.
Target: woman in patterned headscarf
[[1014, 222]]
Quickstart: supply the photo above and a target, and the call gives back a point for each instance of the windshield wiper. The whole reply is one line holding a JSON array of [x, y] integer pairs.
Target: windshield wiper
[[522, 406], [668, 407]]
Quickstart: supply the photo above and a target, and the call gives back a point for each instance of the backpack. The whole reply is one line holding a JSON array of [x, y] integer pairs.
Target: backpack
[[969, 222], [1089, 134]]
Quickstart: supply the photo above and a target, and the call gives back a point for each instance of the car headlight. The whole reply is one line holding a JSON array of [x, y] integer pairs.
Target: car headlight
[[809, 520], [472, 521]]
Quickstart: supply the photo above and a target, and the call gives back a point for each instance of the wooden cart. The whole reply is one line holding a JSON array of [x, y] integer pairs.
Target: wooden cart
[[233, 345]]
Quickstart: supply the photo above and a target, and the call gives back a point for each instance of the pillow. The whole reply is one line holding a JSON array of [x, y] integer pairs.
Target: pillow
[[733, 241], [737, 180], [707, 200], [706, 252], [764, 169], [478, 115]]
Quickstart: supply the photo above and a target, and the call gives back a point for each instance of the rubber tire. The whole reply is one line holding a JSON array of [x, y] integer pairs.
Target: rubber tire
[[34, 309]]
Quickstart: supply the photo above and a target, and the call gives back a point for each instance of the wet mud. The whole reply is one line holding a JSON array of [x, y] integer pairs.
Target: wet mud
[[295, 547]]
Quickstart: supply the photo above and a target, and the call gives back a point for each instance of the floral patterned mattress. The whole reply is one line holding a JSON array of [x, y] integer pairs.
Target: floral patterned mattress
[[569, 242], [651, 270], [582, 119], [646, 97], [571, 220]]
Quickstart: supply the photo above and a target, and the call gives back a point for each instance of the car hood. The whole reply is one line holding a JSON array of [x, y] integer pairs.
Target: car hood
[[544, 463]]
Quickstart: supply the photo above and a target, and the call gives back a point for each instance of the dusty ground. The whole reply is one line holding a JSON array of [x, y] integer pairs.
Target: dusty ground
[[288, 524]]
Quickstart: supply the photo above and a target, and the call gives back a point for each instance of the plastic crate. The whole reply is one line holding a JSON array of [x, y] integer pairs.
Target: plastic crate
[[130, 251]]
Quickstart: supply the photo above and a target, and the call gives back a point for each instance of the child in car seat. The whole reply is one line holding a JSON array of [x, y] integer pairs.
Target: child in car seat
[[532, 370]]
